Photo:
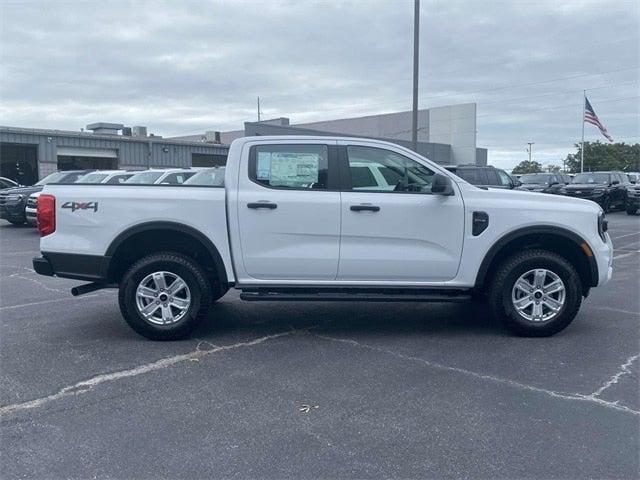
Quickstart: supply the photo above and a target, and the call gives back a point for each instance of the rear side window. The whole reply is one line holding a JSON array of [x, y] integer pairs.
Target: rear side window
[[475, 176], [290, 166]]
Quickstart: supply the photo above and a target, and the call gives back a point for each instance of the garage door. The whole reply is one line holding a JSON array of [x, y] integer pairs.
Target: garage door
[[74, 158]]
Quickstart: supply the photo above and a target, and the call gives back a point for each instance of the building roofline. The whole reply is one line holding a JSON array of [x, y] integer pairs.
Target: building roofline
[[91, 135]]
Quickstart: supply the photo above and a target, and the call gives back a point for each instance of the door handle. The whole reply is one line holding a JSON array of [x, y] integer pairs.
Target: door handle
[[269, 205], [367, 208]]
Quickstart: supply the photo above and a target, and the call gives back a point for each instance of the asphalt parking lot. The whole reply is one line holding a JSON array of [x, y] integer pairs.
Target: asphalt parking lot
[[393, 390]]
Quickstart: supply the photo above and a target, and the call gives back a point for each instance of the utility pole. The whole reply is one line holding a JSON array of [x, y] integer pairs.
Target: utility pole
[[530, 149], [416, 50], [258, 109]]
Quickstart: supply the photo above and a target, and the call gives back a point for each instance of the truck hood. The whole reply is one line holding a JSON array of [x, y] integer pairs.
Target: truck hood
[[22, 190], [527, 200]]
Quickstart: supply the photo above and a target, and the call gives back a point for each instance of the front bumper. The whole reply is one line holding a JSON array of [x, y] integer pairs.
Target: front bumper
[[12, 211], [596, 197], [32, 216], [633, 201]]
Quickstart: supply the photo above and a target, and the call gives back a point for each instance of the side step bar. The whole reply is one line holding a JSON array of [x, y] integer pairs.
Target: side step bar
[[356, 295]]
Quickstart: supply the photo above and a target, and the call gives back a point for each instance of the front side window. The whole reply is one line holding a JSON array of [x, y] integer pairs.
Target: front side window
[[290, 166], [378, 170], [505, 179]]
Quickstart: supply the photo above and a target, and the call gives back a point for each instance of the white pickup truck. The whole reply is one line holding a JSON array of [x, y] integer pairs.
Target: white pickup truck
[[325, 218]]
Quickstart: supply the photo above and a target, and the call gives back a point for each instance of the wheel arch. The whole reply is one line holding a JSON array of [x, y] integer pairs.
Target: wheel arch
[[155, 236], [557, 239]]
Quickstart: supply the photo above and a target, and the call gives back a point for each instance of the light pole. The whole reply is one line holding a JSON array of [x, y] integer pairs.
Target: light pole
[[530, 149], [416, 49]]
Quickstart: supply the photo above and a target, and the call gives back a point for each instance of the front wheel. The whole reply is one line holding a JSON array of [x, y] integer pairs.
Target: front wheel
[[606, 205], [536, 293], [164, 296]]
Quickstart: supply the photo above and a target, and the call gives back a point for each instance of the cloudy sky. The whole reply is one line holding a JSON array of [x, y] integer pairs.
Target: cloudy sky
[[184, 67]]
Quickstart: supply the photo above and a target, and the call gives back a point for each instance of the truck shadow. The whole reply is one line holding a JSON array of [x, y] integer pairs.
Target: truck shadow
[[341, 318]]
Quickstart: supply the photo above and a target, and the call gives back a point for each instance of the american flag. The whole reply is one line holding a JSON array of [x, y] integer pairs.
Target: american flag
[[591, 117]]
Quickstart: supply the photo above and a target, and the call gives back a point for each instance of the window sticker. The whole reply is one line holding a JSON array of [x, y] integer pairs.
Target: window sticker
[[294, 169], [264, 166]]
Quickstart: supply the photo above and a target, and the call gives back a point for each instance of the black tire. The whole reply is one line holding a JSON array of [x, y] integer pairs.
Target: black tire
[[606, 205], [499, 297], [175, 263], [17, 222], [631, 211]]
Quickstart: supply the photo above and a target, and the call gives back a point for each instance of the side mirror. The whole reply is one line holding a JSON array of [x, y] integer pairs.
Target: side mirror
[[518, 183], [615, 182], [441, 185]]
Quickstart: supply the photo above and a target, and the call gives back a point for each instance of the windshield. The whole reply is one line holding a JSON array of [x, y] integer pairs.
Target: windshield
[[145, 177], [535, 178], [212, 177], [591, 178], [92, 178], [52, 178]]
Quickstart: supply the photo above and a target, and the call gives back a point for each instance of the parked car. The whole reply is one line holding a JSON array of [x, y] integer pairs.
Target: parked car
[[209, 177], [608, 189], [483, 176], [634, 177], [114, 177], [13, 201], [7, 183], [288, 224], [542, 182], [633, 199], [171, 176]]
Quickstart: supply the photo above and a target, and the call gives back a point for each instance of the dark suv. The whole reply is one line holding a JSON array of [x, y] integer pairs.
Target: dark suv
[[542, 182], [13, 201], [483, 176], [609, 189]]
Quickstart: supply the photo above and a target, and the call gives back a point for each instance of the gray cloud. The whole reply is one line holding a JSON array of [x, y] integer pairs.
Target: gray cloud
[[183, 67]]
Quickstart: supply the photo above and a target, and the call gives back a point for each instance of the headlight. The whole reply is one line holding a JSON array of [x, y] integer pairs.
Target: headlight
[[598, 190], [603, 225], [15, 197]]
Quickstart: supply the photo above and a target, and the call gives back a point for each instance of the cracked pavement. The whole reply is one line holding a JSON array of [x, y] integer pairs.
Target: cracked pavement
[[402, 390]]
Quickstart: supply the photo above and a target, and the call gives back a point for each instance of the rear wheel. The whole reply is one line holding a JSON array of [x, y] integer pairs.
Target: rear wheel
[[164, 296], [536, 293]]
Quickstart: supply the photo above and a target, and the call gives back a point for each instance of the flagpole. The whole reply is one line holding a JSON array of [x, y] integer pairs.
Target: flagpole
[[584, 102]]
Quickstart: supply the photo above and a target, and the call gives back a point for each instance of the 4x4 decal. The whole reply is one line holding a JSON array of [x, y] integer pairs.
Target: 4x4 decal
[[81, 206]]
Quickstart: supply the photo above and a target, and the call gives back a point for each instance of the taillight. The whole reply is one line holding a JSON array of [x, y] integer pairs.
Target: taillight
[[46, 214]]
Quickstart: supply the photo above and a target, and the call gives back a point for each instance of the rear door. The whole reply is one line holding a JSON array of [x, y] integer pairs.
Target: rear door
[[395, 231], [288, 208]]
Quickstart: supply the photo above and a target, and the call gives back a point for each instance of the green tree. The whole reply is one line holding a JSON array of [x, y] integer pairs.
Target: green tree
[[552, 168], [527, 166], [605, 156]]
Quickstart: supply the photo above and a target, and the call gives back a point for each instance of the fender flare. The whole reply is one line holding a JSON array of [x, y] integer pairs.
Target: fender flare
[[172, 226], [536, 230]]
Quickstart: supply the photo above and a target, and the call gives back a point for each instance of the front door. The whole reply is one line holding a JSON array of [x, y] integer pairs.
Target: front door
[[393, 228], [288, 208]]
